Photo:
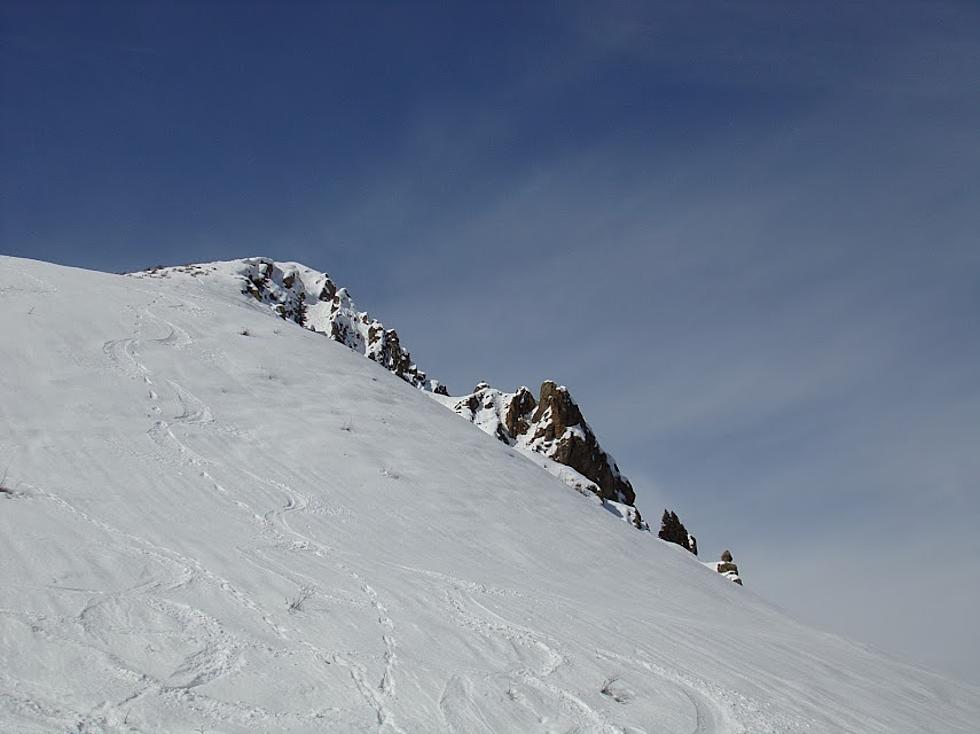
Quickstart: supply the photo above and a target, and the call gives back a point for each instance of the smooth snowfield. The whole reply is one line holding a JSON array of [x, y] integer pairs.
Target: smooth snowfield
[[215, 532]]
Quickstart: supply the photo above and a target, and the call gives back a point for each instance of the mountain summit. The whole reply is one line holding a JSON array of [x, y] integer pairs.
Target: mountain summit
[[297, 293], [215, 520]]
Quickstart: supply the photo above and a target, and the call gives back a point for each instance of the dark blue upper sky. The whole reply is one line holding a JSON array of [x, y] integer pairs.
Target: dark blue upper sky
[[194, 130], [744, 233]]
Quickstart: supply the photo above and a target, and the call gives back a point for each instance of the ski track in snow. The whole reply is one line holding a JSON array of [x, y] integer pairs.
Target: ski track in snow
[[459, 712], [374, 695], [215, 660], [710, 712], [194, 410], [714, 709], [717, 709], [124, 353], [538, 645], [220, 653]]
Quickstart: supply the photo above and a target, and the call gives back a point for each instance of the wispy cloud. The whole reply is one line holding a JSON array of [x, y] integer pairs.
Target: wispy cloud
[[775, 323]]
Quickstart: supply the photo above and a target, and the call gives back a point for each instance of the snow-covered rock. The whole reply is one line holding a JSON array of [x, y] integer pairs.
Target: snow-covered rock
[[726, 567], [553, 427], [311, 299]]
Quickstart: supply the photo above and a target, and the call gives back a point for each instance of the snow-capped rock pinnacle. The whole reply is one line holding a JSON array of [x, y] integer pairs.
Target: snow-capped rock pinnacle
[[566, 437], [552, 427], [726, 567]]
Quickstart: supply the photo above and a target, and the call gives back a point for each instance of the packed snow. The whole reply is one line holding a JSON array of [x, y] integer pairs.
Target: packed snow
[[218, 521]]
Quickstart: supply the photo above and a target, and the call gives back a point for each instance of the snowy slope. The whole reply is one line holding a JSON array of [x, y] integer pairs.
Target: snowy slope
[[176, 487], [551, 430]]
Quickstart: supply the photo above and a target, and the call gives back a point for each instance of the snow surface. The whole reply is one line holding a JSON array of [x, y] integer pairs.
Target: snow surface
[[207, 531]]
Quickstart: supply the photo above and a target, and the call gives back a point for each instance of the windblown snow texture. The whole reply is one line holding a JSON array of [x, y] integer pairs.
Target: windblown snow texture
[[220, 521]]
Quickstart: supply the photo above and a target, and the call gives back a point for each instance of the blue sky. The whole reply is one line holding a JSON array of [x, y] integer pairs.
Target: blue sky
[[743, 233]]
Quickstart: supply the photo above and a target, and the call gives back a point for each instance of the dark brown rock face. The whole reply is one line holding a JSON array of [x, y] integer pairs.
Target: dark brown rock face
[[673, 531], [554, 426], [521, 406], [558, 419], [556, 412]]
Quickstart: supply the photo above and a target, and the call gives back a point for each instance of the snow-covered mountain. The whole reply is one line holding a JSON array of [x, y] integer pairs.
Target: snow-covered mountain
[[551, 430], [218, 521]]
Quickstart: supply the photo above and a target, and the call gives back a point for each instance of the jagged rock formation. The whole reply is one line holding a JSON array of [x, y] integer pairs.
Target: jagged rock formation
[[673, 531], [312, 299], [551, 426], [726, 567]]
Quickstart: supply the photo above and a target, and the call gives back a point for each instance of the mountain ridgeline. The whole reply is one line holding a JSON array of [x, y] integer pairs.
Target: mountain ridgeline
[[550, 428]]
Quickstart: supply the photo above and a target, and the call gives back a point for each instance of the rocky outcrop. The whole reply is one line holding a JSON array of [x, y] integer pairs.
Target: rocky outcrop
[[521, 406], [673, 531], [311, 299], [563, 434], [726, 567], [551, 426], [357, 330]]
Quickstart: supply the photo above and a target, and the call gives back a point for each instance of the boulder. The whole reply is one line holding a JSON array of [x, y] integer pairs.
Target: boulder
[[727, 568]]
